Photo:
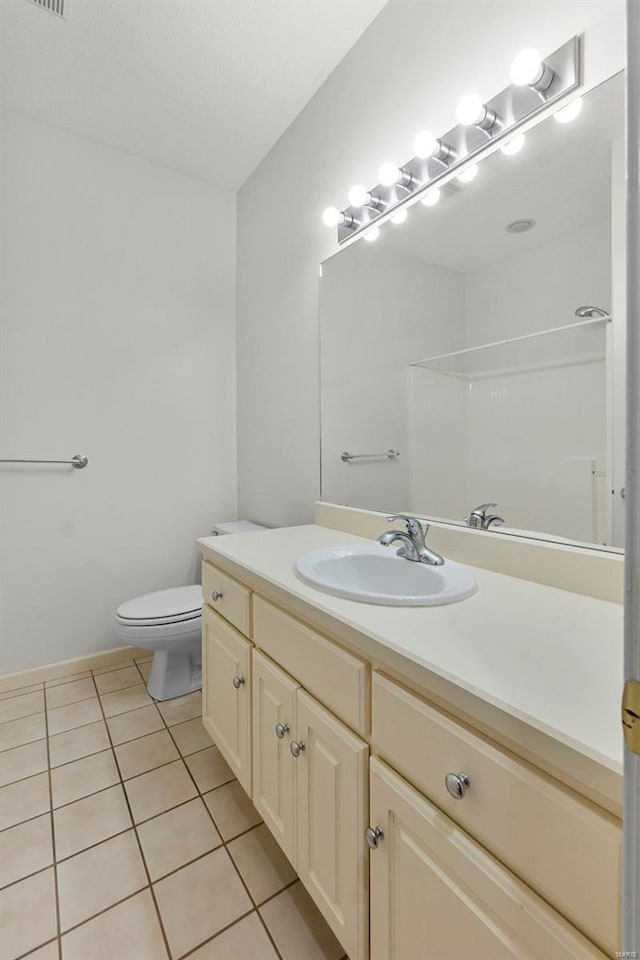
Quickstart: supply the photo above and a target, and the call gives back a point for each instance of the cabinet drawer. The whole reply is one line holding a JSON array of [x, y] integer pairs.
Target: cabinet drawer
[[335, 677], [561, 845], [234, 602]]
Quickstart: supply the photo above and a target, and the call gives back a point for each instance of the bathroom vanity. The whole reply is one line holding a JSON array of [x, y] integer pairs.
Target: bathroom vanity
[[443, 782]]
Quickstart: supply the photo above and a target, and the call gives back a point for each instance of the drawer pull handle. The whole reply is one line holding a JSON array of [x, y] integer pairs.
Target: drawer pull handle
[[457, 784], [373, 835], [216, 595], [281, 730], [297, 746], [237, 682]]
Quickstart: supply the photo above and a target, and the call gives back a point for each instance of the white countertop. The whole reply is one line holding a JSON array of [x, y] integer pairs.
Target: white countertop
[[548, 657]]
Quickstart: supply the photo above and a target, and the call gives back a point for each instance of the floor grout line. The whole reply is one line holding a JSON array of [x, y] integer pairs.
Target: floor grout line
[[53, 830]]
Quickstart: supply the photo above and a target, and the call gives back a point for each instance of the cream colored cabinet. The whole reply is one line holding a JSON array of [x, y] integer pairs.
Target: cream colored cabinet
[[438, 895], [274, 719], [332, 802], [226, 703]]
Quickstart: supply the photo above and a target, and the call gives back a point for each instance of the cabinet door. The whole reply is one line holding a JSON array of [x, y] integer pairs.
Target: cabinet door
[[436, 894], [332, 808], [226, 688], [274, 701]]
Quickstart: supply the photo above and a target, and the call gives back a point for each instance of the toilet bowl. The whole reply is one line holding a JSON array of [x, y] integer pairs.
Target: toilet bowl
[[169, 623]]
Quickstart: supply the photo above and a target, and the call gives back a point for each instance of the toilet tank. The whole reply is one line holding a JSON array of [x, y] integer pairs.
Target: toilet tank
[[236, 526]]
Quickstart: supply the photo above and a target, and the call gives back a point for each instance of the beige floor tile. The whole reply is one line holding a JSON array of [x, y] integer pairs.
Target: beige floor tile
[[209, 769], [19, 691], [24, 800], [22, 762], [81, 742], [73, 715], [82, 777], [261, 862], [232, 810], [182, 708], [145, 669], [191, 736], [25, 849], [109, 668], [24, 706], [17, 732], [48, 952], [137, 723], [89, 821], [146, 753], [245, 940], [122, 701], [191, 912], [117, 679], [159, 790], [96, 879], [298, 927], [177, 837], [69, 678], [128, 931], [66, 693], [28, 914]]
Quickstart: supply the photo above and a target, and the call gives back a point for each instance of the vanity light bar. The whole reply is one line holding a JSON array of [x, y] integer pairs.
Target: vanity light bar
[[537, 84]]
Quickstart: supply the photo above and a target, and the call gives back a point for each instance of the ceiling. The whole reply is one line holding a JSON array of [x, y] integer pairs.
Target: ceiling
[[203, 86]]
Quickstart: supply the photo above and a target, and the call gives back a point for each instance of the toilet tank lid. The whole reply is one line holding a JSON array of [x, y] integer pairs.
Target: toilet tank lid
[[174, 602], [236, 526]]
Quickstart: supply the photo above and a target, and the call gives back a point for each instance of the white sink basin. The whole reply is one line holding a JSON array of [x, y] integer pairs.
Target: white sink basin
[[375, 574]]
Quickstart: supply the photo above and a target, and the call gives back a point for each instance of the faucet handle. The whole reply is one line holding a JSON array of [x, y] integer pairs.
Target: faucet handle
[[484, 507], [413, 525]]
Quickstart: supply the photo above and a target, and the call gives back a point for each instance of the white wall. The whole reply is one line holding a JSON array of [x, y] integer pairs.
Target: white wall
[[369, 336], [407, 71], [118, 342]]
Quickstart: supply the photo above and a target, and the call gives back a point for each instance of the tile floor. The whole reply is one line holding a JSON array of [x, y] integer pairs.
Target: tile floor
[[124, 836]]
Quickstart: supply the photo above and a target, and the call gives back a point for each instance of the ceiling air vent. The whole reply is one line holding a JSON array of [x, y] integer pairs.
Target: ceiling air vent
[[53, 6]]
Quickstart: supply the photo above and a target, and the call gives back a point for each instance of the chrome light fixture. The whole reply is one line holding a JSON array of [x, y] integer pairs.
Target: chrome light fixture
[[482, 128]]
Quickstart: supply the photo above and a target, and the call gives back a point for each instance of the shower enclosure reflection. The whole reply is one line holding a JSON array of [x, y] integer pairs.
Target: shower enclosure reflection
[[483, 341]]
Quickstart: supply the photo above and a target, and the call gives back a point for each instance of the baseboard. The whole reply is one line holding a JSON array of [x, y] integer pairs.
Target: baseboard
[[63, 668]]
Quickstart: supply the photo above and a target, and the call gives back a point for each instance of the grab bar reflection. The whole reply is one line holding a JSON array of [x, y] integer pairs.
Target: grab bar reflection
[[388, 455], [79, 461]]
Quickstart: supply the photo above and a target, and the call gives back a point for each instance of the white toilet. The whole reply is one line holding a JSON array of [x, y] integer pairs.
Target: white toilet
[[168, 622]]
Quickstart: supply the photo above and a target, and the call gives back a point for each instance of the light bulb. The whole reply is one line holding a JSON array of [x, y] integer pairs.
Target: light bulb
[[431, 198], [399, 217], [513, 146], [471, 110], [372, 234], [389, 173], [359, 196], [527, 68], [332, 217], [570, 112], [468, 174], [425, 145]]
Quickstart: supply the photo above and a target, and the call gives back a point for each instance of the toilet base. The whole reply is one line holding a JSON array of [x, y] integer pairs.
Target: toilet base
[[173, 674]]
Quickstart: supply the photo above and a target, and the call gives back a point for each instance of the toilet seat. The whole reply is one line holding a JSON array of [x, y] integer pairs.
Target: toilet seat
[[173, 606]]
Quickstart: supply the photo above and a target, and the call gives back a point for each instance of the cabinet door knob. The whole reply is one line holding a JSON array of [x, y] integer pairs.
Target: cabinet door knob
[[373, 836], [297, 746], [281, 729], [216, 595], [457, 784], [237, 682]]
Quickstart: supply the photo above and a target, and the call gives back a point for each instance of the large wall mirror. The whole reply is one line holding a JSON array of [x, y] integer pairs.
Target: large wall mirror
[[474, 353]]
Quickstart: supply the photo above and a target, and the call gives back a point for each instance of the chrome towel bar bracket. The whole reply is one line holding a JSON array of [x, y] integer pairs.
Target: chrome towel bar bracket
[[79, 461]]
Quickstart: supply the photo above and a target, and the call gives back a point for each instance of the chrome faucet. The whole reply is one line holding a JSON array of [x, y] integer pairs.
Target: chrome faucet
[[414, 548], [480, 520]]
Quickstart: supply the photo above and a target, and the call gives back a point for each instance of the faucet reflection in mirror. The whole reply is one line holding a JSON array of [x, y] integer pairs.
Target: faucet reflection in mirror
[[536, 85]]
